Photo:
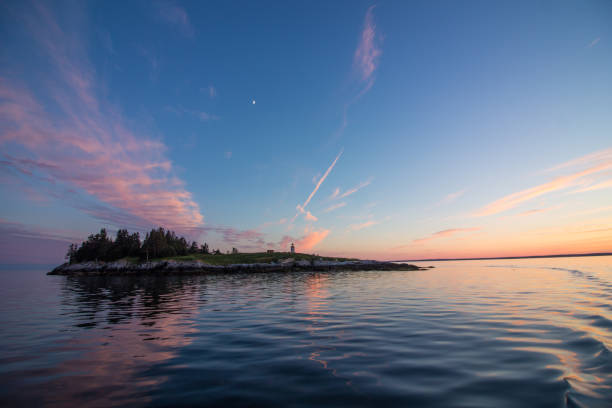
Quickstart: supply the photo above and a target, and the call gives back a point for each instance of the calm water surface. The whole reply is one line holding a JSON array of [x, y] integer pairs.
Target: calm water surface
[[507, 333]]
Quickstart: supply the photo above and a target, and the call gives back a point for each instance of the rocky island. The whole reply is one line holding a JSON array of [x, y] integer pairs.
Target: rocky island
[[172, 267], [163, 253]]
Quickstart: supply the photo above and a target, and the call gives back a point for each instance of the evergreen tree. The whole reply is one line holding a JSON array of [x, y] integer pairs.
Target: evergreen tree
[[96, 248], [158, 243], [71, 255]]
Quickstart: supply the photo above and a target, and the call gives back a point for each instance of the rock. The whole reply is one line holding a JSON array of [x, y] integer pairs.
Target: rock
[[197, 267]]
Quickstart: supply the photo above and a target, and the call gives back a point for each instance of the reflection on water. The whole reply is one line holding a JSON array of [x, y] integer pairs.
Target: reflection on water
[[482, 333]]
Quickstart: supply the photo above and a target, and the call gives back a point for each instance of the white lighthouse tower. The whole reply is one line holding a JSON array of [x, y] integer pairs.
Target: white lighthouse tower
[[292, 248]]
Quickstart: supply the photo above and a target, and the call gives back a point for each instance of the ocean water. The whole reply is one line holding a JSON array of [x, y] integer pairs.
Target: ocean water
[[503, 333]]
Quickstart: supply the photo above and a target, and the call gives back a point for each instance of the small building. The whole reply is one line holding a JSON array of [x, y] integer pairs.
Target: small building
[[270, 251], [234, 251], [292, 248]]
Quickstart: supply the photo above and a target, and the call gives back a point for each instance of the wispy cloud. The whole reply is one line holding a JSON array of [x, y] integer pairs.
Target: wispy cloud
[[334, 207], [271, 223], [443, 234], [85, 143], [598, 186], [302, 208], [234, 236], [368, 51], [365, 63], [594, 42], [357, 227], [337, 196], [534, 211], [449, 198], [175, 15], [601, 156], [559, 183]]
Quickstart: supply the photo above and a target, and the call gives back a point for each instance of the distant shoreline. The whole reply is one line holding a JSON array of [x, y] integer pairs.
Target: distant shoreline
[[506, 257]]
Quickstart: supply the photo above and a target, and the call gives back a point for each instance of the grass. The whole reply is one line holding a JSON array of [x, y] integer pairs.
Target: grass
[[247, 258]]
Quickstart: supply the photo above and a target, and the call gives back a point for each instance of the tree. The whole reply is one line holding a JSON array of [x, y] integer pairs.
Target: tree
[[125, 244], [72, 253], [96, 248], [205, 249], [158, 243]]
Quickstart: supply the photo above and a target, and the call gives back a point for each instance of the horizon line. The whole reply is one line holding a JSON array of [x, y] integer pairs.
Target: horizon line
[[507, 257]]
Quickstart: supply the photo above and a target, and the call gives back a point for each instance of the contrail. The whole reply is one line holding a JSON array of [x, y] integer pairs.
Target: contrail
[[321, 180]]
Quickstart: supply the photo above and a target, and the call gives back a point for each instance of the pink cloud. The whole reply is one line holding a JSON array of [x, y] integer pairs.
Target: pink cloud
[[534, 211], [513, 200], [271, 223], [311, 239], [84, 145], [367, 53], [234, 236], [589, 159], [365, 63], [598, 186], [443, 234], [306, 242], [310, 217]]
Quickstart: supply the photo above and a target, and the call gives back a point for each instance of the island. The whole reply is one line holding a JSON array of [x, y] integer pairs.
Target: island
[[164, 253]]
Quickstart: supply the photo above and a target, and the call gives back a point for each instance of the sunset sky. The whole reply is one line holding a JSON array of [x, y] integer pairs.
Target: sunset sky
[[389, 130]]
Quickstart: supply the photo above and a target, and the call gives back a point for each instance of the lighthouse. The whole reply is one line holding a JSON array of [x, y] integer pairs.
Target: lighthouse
[[292, 248]]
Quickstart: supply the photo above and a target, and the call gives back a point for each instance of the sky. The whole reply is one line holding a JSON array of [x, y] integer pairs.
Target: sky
[[389, 130]]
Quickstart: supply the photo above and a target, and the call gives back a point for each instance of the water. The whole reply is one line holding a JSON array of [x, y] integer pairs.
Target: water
[[506, 333]]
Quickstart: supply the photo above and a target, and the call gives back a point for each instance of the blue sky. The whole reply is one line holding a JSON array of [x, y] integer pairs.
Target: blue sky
[[441, 118]]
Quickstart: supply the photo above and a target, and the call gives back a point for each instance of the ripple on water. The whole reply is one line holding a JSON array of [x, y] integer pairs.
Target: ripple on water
[[472, 334]]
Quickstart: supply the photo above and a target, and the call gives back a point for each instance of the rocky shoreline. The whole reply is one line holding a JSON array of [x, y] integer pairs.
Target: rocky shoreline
[[171, 267]]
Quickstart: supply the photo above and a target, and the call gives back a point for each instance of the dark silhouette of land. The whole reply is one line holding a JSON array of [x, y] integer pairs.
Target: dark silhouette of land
[[506, 257]]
